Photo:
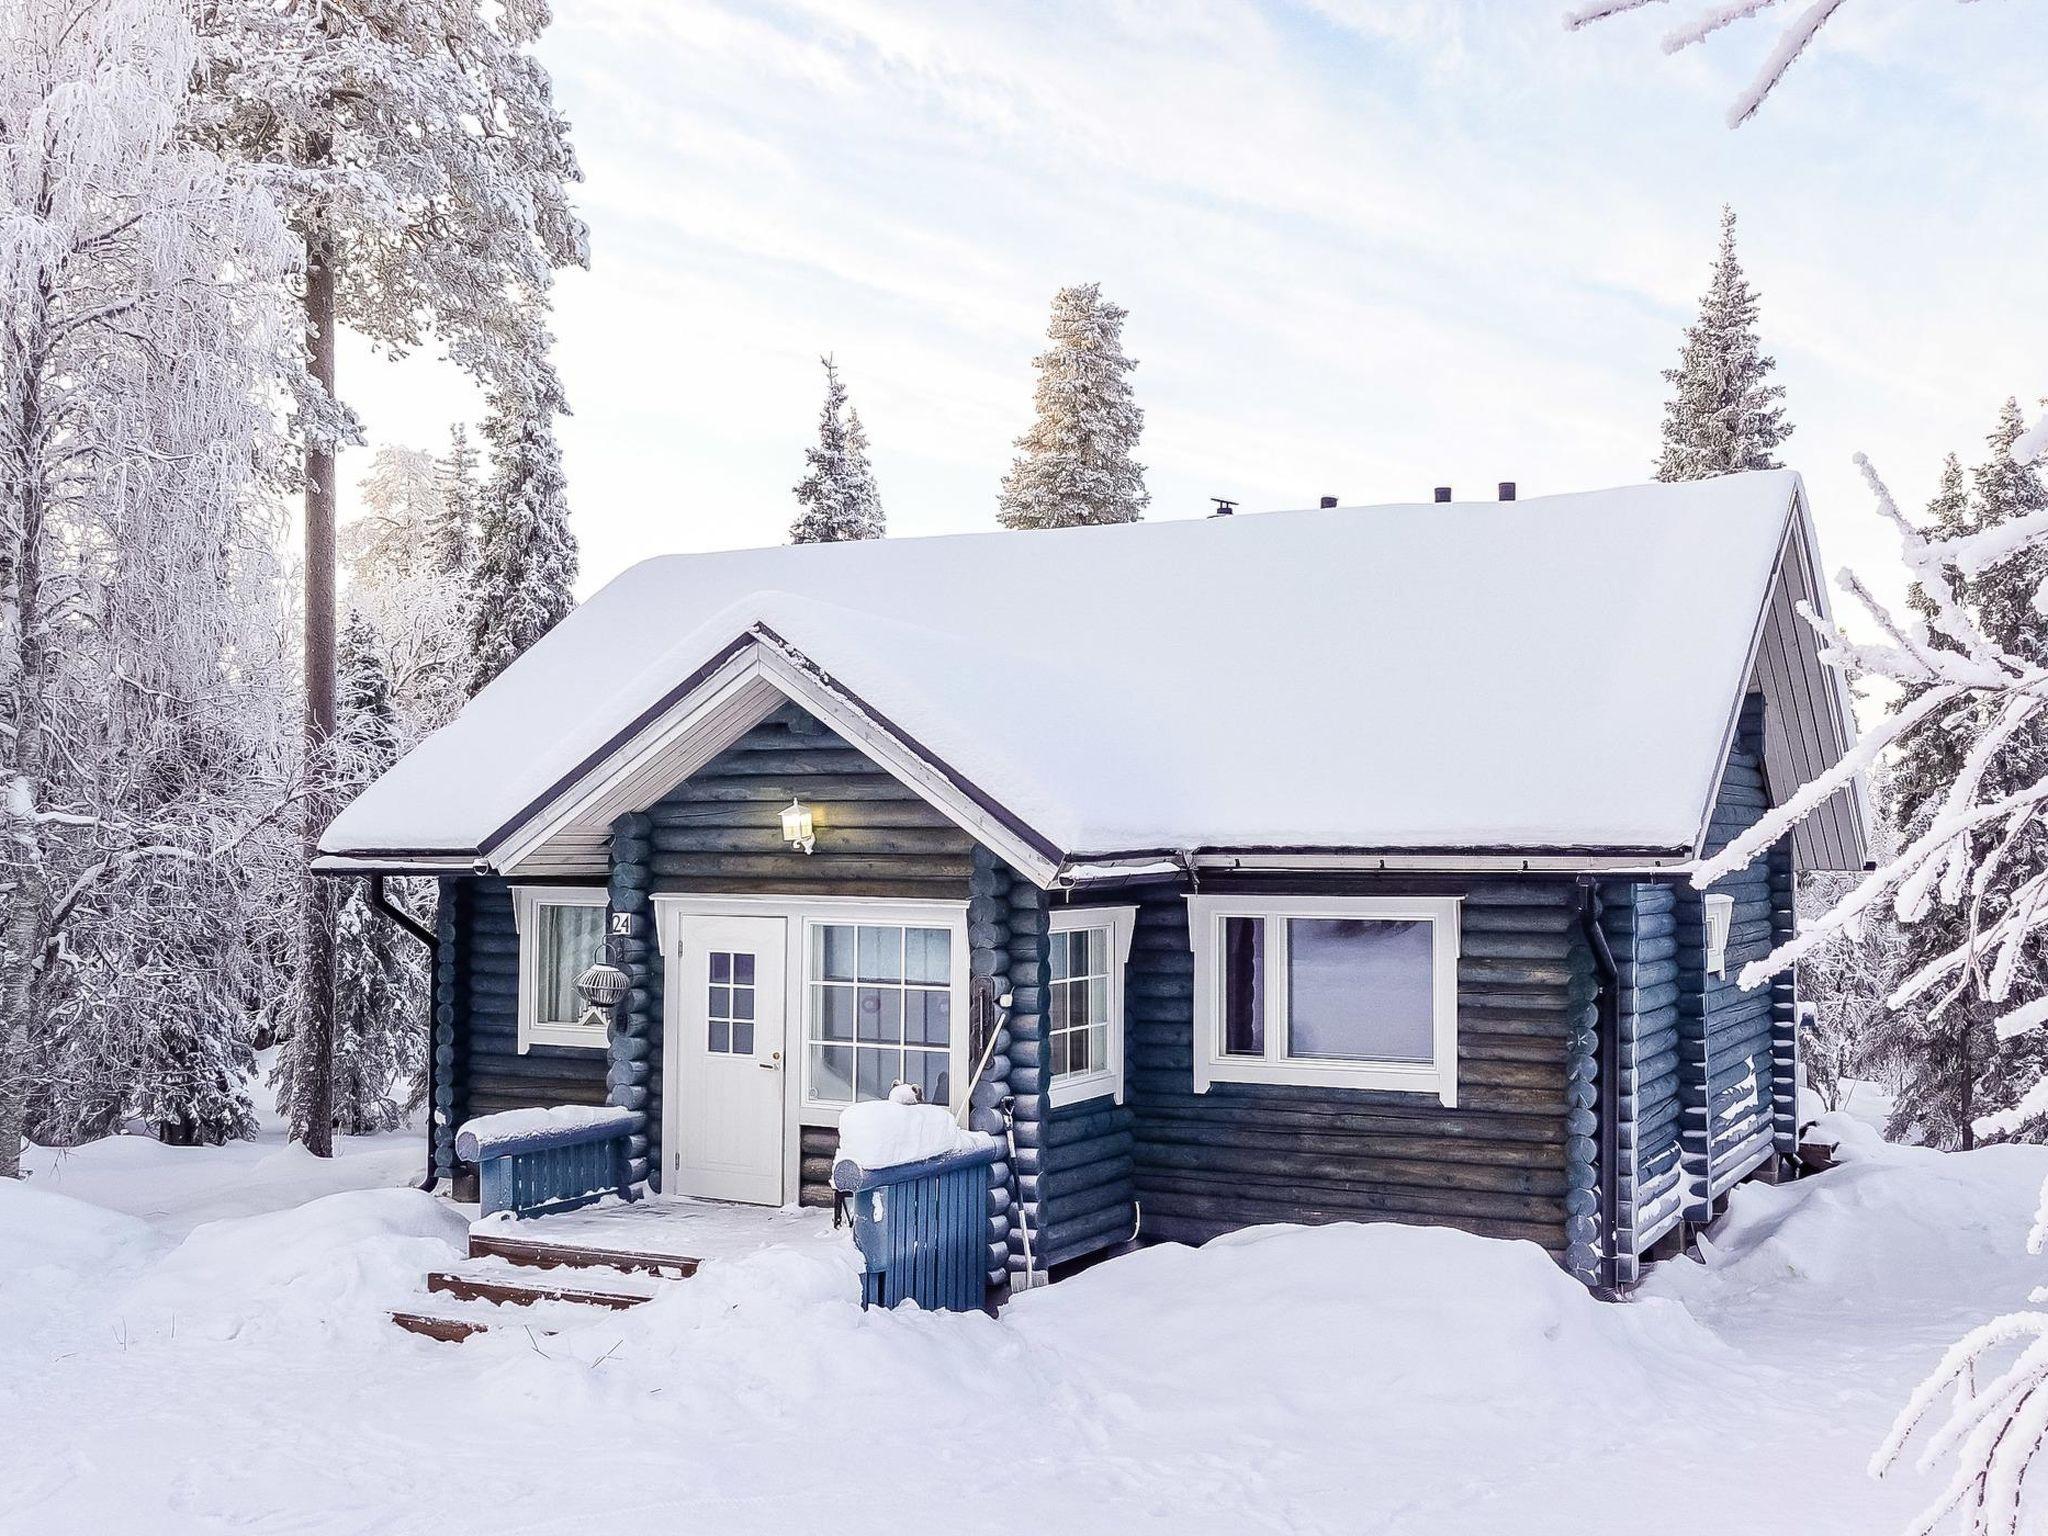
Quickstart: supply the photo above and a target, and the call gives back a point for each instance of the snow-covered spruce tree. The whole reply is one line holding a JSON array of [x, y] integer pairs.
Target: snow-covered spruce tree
[[380, 973], [838, 494], [1724, 415], [425, 169], [452, 544], [141, 339], [524, 579], [1074, 467], [1935, 1058], [392, 554]]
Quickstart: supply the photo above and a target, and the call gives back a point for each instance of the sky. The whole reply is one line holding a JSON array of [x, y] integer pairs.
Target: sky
[[1368, 247]]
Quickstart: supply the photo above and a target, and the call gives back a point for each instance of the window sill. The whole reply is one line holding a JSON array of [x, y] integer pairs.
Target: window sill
[[575, 1037], [1089, 1085], [1387, 1077]]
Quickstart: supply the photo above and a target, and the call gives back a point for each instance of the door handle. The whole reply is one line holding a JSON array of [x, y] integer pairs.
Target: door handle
[[772, 1064]]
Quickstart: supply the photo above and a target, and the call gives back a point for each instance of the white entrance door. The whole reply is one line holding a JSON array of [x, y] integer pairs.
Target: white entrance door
[[727, 982]]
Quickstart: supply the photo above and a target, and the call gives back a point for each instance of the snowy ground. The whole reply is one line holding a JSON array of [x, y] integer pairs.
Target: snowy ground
[[162, 1376]]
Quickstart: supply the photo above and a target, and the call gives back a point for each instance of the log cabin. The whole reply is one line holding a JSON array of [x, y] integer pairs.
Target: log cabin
[[1307, 866]]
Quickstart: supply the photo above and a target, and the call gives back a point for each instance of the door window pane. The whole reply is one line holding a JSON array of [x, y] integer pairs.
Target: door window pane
[[1244, 986], [729, 1005], [1360, 990]]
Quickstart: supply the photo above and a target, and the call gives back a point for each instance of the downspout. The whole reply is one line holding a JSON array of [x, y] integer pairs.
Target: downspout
[[1607, 1057], [380, 898]]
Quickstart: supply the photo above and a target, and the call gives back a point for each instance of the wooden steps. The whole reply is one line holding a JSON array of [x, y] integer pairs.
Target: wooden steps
[[541, 1253], [544, 1280]]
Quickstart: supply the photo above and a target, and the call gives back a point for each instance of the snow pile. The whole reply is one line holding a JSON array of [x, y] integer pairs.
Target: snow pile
[[478, 1137], [887, 1133], [48, 1239], [1902, 1222], [341, 1261]]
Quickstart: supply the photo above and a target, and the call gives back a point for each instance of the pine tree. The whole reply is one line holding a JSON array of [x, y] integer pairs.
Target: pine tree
[[838, 494], [379, 990], [1725, 415], [1074, 467], [426, 169], [525, 573]]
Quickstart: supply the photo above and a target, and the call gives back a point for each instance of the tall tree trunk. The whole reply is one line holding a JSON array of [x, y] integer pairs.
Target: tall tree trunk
[[314, 1049], [23, 659], [1969, 1099]]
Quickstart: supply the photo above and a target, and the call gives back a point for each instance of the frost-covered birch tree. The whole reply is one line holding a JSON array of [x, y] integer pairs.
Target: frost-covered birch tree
[[142, 356], [1075, 466], [524, 579], [838, 494], [425, 169], [1725, 415], [395, 554]]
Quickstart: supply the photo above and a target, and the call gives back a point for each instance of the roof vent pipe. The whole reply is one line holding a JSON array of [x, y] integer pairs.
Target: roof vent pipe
[[1328, 502], [1507, 490], [1224, 506], [1443, 493]]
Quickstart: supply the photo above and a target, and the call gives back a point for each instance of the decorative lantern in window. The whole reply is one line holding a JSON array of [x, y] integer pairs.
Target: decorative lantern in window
[[796, 825], [1720, 918]]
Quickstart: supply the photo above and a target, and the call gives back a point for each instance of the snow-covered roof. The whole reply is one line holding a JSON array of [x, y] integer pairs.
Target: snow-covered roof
[[1557, 673]]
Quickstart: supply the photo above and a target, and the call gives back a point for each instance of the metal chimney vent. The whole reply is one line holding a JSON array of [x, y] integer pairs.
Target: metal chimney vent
[[1328, 502], [1443, 493], [1225, 506], [1507, 490]]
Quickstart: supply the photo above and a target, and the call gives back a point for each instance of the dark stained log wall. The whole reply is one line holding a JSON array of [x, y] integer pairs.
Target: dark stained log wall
[[480, 960], [1244, 1153], [719, 832], [1640, 921]]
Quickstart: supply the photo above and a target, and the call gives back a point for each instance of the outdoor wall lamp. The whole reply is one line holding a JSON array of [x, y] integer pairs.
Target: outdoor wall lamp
[[1720, 918], [796, 826]]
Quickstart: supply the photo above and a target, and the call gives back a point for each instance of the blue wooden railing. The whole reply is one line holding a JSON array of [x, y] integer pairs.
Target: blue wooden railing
[[552, 1168], [922, 1229]]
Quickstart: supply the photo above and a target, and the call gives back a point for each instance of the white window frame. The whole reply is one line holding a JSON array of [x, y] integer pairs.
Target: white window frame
[[1438, 1076], [527, 902], [1073, 1087]]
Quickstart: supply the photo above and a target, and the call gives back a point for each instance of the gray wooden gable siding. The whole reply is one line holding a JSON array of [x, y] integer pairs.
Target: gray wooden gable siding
[[719, 832], [1736, 1052], [477, 1006], [1512, 1160]]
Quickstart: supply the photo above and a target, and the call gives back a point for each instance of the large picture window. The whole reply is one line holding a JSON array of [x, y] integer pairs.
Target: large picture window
[[1351, 992], [561, 935], [1085, 1001], [879, 1011]]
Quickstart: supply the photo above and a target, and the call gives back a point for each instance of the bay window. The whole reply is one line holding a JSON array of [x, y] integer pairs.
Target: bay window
[[1344, 992]]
